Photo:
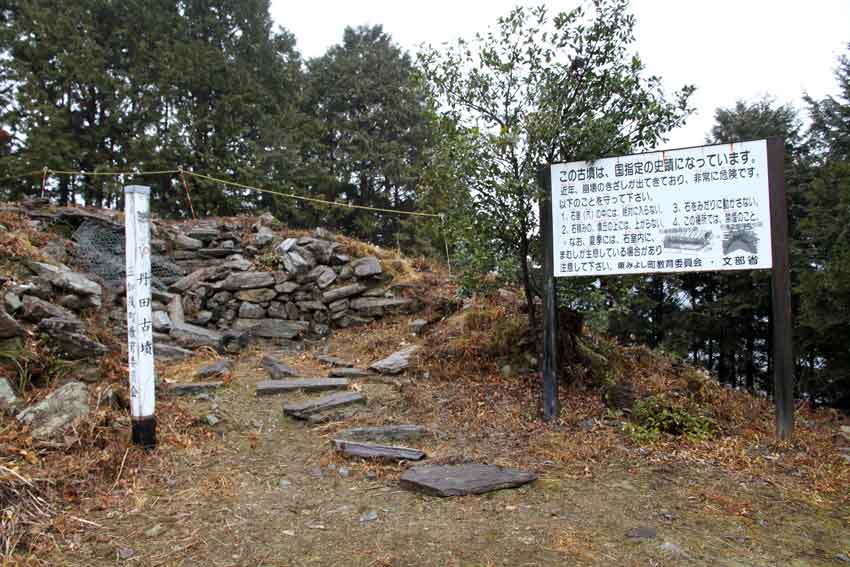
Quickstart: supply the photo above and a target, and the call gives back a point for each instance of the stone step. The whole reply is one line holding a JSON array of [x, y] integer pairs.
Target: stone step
[[374, 451], [385, 433], [302, 410], [350, 373], [460, 480], [334, 415], [270, 387]]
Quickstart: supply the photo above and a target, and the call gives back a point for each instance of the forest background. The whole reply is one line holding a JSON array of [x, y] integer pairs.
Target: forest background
[[214, 87]]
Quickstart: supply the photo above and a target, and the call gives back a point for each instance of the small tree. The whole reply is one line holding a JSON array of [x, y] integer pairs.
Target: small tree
[[539, 89]]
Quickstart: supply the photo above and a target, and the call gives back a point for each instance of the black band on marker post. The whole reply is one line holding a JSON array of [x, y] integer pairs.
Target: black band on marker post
[[144, 432]]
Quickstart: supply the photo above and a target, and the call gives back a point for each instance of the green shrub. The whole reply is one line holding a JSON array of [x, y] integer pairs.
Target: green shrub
[[652, 417]]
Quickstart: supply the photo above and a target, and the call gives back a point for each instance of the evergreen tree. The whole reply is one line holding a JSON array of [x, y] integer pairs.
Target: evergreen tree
[[372, 130]]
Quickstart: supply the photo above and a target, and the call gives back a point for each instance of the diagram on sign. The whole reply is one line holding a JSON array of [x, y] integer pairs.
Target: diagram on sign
[[694, 240], [740, 240]]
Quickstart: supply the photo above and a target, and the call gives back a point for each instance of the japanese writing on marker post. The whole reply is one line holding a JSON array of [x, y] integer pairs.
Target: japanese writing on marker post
[[140, 352]]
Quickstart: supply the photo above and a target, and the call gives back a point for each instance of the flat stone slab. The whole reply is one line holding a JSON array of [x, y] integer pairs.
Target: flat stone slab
[[350, 373], [171, 352], [193, 388], [375, 451], [460, 480], [271, 387], [302, 410], [385, 433], [395, 363], [273, 328], [341, 414], [219, 368]]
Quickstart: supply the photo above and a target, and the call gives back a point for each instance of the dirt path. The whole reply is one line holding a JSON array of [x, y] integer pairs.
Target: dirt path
[[268, 491]]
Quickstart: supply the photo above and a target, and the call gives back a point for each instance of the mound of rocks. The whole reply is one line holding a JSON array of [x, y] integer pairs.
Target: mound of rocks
[[312, 288]]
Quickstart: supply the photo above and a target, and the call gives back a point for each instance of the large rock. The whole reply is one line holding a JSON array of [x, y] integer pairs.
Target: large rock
[[277, 370], [192, 336], [298, 260], [237, 262], [460, 480], [311, 306], [49, 417], [9, 401], [396, 362], [342, 292], [65, 279], [263, 237], [247, 280], [8, 326], [285, 246], [171, 352], [251, 311], [34, 310], [277, 310], [365, 267], [271, 387], [79, 285], [67, 336], [377, 306], [183, 242], [273, 328], [175, 310], [221, 367], [302, 410], [191, 281], [375, 451], [261, 295], [12, 302], [286, 287], [161, 321], [205, 232], [323, 250]]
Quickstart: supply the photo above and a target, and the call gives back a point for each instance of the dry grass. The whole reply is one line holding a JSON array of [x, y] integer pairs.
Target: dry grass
[[19, 241]]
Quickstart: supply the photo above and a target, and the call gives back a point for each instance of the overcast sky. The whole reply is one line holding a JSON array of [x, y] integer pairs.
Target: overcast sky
[[729, 49]]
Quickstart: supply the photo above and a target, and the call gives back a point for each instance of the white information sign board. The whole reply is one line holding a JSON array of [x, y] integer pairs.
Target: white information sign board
[[688, 210], [140, 355]]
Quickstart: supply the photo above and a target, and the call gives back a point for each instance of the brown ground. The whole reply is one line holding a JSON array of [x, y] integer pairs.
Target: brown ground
[[218, 500]]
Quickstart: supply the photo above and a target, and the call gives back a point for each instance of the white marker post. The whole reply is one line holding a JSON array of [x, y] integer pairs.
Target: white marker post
[[140, 356]]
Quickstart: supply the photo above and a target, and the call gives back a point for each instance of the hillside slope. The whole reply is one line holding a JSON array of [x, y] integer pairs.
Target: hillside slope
[[651, 460]]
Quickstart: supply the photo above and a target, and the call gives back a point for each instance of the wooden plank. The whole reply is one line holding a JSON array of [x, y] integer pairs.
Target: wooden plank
[[302, 410], [783, 343], [374, 451], [551, 404], [270, 387]]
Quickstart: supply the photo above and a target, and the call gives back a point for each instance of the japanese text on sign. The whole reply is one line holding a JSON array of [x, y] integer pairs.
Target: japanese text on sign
[[140, 348], [695, 209]]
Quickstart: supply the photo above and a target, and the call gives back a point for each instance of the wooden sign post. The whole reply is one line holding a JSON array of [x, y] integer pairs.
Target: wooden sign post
[[706, 208], [140, 354]]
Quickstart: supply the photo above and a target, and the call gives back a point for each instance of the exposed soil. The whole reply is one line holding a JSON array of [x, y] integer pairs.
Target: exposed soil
[[222, 502]]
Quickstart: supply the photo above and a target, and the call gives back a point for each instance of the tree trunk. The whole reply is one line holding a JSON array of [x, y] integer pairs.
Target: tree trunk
[[750, 366], [526, 282]]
